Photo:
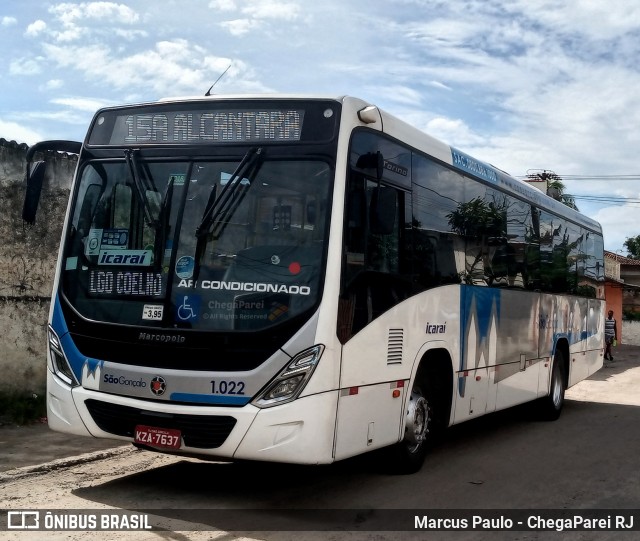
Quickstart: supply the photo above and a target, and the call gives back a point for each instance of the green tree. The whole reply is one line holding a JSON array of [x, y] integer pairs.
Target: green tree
[[632, 244]]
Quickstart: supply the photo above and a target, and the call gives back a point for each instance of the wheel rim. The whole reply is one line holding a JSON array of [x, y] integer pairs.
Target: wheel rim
[[417, 421]]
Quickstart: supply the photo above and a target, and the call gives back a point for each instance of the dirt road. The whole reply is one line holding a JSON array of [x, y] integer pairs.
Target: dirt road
[[589, 459]]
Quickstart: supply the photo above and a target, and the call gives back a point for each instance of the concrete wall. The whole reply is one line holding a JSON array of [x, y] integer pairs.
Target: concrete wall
[[27, 264], [630, 273], [23, 324], [60, 165]]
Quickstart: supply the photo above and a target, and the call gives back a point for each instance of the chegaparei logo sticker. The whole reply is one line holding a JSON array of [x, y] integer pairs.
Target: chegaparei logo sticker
[[158, 385]]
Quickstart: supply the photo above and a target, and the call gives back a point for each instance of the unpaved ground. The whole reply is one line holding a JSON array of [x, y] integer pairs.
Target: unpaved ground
[[55, 486], [36, 443]]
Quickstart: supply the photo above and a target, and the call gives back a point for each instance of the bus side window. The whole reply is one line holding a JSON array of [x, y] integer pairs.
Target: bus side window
[[532, 251], [509, 260], [383, 239], [356, 219], [373, 283], [383, 214]]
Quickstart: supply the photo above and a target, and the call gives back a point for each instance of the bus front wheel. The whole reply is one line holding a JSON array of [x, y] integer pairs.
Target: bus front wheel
[[407, 456]]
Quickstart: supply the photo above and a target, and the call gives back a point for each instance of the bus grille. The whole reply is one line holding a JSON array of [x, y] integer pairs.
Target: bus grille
[[199, 431], [394, 346]]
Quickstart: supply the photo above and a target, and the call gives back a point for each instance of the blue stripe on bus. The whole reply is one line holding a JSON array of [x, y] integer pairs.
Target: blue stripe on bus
[[470, 165], [59, 325], [210, 399], [57, 320]]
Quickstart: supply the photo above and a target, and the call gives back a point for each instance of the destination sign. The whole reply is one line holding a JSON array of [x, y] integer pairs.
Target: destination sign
[[205, 127], [127, 283], [201, 123]]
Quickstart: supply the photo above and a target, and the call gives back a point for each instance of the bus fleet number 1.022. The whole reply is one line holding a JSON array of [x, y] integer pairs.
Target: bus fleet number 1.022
[[227, 387]]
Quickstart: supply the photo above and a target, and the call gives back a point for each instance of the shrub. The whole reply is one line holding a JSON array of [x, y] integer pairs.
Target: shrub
[[22, 407]]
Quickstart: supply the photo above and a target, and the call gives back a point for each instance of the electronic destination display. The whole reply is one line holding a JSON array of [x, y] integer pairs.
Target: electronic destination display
[[198, 123]]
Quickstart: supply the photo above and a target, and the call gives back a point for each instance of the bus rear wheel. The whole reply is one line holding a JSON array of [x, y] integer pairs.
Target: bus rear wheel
[[550, 406]]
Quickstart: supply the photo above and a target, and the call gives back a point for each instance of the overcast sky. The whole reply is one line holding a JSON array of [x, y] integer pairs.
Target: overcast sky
[[522, 84]]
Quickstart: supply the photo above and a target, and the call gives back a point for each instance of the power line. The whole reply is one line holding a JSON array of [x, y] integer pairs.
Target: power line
[[590, 177], [602, 177], [605, 199]]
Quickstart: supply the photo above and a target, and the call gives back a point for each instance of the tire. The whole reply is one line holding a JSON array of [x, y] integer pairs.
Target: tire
[[550, 406], [407, 456]]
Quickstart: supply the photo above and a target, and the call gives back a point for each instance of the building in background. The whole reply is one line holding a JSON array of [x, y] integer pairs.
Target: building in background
[[622, 287]]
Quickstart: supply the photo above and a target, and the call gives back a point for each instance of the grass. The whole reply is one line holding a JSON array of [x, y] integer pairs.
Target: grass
[[21, 408]]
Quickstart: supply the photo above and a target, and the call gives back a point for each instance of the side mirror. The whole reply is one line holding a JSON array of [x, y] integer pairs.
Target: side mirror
[[34, 175], [34, 178], [372, 160]]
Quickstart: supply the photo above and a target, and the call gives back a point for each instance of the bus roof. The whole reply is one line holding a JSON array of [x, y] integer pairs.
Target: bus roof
[[487, 173], [420, 140]]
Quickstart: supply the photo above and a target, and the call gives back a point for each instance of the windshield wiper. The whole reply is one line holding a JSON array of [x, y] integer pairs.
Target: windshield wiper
[[247, 168], [141, 188], [163, 223], [160, 224], [223, 206]]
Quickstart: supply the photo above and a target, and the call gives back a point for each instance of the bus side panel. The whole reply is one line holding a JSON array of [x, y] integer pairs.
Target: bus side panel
[[476, 386], [579, 322], [587, 338], [548, 323], [519, 363], [595, 330], [498, 375], [577, 332], [369, 416], [378, 363], [369, 419]]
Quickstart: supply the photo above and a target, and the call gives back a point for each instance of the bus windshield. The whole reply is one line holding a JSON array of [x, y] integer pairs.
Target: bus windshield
[[209, 244]]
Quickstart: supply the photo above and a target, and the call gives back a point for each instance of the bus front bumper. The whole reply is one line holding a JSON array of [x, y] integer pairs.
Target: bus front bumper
[[300, 432]]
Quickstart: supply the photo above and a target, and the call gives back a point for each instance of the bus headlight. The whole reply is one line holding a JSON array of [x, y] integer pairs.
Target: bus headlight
[[289, 383], [58, 363]]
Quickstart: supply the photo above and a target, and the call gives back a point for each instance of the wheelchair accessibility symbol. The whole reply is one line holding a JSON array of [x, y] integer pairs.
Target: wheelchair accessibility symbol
[[189, 307]]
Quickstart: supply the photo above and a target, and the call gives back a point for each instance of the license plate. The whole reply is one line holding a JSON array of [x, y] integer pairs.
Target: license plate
[[167, 438]]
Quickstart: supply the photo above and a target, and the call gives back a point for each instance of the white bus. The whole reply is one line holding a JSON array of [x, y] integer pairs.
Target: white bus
[[303, 280]]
